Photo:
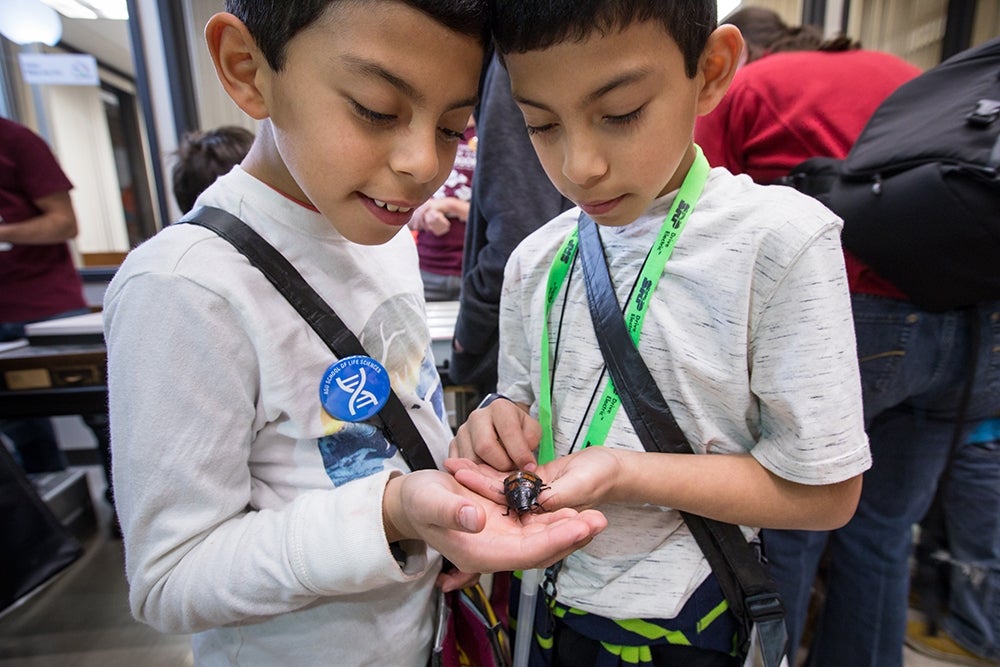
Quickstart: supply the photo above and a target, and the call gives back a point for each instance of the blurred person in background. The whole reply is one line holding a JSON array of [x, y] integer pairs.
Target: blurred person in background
[[800, 96], [439, 225], [204, 156]]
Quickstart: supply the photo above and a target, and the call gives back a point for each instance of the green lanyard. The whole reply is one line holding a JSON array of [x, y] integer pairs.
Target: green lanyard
[[635, 314]]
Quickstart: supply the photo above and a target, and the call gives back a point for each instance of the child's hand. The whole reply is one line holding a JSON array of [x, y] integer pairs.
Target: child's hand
[[429, 218], [581, 480], [435, 215], [502, 435], [473, 532], [482, 478], [455, 580]]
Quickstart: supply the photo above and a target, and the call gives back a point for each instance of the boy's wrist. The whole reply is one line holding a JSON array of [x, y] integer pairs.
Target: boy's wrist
[[393, 516], [491, 398], [624, 466]]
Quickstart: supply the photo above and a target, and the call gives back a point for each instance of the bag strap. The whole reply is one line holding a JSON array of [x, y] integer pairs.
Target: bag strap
[[747, 587], [396, 422]]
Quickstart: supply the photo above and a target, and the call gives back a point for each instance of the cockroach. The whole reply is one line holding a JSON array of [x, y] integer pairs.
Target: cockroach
[[521, 489]]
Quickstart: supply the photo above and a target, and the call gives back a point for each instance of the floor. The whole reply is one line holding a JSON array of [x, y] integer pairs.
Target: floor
[[81, 618]]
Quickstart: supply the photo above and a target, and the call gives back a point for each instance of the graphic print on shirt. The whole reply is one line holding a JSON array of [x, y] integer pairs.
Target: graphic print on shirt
[[355, 450], [405, 350]]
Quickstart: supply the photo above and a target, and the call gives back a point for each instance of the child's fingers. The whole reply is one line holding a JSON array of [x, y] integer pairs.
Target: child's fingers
[[431, 503], [478, 440], [474, 480], [516, 432], [455, 580]]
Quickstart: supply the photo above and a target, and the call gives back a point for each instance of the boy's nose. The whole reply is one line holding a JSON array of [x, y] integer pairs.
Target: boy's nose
[[416, 155], [583, 164]]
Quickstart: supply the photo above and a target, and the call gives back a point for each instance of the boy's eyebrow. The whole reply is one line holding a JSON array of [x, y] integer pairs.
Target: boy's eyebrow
[[617, 82], [375, 70]]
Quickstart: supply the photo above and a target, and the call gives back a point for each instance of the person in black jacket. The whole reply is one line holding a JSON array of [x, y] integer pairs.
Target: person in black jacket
[[511, 197]]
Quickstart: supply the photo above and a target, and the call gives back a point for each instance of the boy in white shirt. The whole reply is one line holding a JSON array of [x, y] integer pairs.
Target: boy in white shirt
[[747, 331], [271, 526]]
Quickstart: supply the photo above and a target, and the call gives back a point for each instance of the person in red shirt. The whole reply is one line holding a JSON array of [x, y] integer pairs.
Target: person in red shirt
[[799, 96], [38, 279]]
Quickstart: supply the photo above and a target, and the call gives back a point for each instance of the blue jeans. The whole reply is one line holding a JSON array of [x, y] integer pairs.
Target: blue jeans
[[973, 618], [914, 369]]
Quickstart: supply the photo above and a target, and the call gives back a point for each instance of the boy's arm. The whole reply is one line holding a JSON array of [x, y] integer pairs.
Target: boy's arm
[[731, 488], [55, 224]]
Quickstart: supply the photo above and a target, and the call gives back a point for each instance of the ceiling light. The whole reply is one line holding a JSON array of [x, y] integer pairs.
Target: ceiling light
[[29, 22], [90, 9]]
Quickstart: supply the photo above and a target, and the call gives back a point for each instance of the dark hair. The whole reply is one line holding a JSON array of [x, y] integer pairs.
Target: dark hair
[[273, 23], [528, 25], [204, 156], [765, 33]]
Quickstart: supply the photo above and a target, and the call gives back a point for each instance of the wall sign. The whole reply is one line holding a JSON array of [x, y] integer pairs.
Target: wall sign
[[59, 69]]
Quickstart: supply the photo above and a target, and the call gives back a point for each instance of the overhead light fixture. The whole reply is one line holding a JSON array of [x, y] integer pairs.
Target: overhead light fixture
[[90, 9], [29, 22]]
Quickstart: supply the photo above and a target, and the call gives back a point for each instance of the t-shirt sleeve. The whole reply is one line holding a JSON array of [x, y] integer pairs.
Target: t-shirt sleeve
[[811, 417]]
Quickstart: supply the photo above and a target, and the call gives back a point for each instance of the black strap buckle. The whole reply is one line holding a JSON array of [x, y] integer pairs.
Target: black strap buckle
[[984, 114], [549, 580], [765, 607]]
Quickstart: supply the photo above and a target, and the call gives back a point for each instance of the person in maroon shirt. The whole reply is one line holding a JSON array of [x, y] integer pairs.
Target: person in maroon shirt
[[37, 272], [439, 225], [38, 279]]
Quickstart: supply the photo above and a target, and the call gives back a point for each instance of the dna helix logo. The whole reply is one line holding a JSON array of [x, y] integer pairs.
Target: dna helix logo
[[354, 385], [354, 388]]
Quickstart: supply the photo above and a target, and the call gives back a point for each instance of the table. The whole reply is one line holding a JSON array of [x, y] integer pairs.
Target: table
[[61, 368], [441, 316]]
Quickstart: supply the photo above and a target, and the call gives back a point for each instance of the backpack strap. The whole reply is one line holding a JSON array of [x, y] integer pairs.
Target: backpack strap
[[746, 585], [396, 422]]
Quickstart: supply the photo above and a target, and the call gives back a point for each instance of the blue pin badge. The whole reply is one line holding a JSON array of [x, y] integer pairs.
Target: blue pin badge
[[354, 388]]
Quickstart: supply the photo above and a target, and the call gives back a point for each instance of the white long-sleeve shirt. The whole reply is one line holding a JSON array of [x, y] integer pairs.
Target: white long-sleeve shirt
[[251, 517]]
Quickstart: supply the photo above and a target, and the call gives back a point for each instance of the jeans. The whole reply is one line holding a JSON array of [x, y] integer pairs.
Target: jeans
[[973, 618], [915, 366]]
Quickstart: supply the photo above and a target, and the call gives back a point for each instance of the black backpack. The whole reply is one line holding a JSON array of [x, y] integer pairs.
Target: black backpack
[[919, 191]]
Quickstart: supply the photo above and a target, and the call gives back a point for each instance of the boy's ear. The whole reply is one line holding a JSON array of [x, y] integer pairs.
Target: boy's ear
[[238, 62], [719, 62]]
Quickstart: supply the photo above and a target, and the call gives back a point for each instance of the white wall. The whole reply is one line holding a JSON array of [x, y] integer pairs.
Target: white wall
[[215, 108], [82, 142]]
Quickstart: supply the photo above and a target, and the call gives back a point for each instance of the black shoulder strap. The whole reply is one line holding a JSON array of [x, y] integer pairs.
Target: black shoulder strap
[[747, 587], [399, 428]]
